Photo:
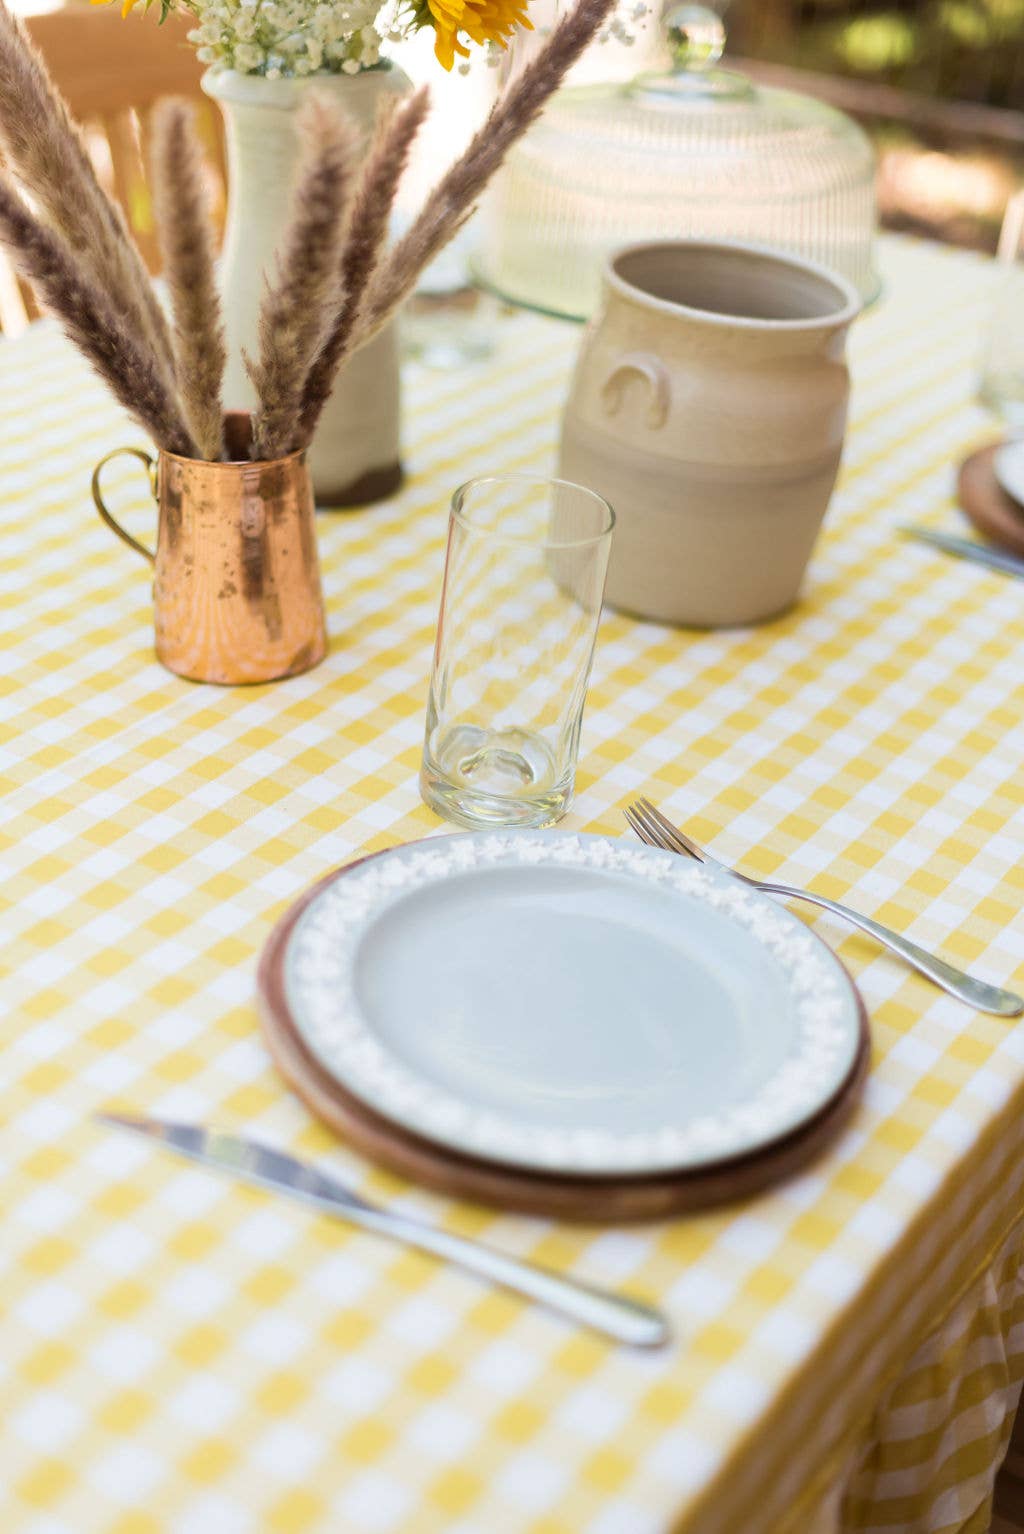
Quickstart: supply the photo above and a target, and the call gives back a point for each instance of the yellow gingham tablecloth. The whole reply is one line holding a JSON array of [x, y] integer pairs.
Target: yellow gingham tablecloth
[[178, 1353]]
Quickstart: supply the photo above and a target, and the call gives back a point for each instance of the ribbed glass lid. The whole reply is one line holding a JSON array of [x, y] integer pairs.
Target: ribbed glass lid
[[695, 37], [698, 107]]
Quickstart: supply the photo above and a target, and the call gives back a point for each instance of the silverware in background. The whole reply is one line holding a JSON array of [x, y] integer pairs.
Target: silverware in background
[[614, 1315], [966, 548], [652, 827]]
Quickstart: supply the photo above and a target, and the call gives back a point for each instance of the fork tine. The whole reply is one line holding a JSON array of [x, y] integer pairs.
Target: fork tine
[[663, 829], [648, 827], [647, 833], [640, 823], [638, 826], [643, 818], [677, 840]]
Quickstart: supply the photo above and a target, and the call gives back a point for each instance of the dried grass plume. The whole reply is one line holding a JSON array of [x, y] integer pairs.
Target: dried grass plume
[[187, 247], [90, 320], [298, 304], [332, 289], [366, 232], [392, 279], [455, 196], [45, 152]]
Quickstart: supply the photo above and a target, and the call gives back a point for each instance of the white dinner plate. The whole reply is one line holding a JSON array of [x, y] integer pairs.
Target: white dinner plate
[[1008, 465], [570, 1003]]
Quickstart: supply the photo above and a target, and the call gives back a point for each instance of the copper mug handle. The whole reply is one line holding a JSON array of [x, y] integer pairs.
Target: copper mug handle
[[108, 517]]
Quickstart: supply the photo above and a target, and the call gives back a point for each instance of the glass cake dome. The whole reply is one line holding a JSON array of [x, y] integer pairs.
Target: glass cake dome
[[698, 151]]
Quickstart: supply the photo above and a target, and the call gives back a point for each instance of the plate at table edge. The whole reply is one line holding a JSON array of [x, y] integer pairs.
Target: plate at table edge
[[1008, 467], [329, 928]]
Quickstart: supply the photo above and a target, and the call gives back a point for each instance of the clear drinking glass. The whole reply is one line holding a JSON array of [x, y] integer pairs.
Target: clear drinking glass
[[523, 583], [1002, 371]]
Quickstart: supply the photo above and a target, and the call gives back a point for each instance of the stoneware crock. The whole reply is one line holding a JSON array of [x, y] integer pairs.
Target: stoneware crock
[[709, 407]]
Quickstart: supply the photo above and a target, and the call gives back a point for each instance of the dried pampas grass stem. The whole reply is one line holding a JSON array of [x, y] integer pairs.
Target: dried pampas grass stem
[[366, 232], [45, 152], [297, 307], [187, 247], [91, 322], [454, 197], [375, 286]]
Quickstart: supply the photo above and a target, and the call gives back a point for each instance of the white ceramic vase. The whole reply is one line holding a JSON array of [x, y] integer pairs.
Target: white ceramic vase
[[356, 456]]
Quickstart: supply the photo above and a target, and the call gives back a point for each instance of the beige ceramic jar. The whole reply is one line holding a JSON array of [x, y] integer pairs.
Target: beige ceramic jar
[[708, 407]]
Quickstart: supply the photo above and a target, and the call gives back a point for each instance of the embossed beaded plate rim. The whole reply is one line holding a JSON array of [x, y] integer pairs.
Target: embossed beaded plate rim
[[347, 940]]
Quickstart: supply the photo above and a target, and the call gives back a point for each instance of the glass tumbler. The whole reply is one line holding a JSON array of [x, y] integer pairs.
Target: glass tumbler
[[523, 583], [1002, 369]]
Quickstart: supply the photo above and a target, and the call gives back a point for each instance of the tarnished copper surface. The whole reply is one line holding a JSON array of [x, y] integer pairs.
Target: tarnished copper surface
[[237, 588]]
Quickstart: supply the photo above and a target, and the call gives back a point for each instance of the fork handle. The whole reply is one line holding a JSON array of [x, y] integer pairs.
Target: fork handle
[[976, 993]]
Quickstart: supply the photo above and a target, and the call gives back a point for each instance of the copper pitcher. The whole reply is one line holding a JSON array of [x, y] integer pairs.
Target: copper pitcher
[[237, 580]]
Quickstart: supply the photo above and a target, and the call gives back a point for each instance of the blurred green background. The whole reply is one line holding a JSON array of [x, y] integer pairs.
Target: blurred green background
[[938, 83]]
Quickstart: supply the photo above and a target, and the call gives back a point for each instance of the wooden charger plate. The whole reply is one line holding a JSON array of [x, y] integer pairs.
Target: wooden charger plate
[[984, 501], [588, 1199]]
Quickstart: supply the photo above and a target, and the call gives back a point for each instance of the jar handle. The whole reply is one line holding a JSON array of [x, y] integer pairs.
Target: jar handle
[[653, 372], [109, 519]]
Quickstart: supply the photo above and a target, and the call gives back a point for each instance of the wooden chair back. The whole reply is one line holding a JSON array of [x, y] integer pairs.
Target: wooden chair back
[[111, 70]]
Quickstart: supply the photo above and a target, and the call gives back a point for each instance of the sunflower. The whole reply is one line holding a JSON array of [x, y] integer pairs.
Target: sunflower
[[166, 6], [482, 21], [126, 8]]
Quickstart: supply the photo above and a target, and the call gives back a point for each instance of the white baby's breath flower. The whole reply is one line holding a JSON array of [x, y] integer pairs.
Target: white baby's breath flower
[[249, 57], [288, 38]]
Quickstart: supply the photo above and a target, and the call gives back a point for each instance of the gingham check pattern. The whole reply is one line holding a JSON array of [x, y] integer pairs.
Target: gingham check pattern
[[179, 1355], [928, 1458]]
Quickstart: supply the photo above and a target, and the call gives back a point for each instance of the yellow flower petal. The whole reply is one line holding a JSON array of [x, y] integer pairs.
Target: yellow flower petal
[[482, 21], [444, 47]]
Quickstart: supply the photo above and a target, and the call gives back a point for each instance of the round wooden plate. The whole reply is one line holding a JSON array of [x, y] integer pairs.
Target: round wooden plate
[[986, 504], [589, 1199]]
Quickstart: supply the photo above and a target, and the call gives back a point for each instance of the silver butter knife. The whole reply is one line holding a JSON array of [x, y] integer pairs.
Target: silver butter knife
[[966, 548], [624, 1320]]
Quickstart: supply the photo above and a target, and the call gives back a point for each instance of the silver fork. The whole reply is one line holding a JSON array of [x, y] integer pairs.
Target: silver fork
[[652, 827]]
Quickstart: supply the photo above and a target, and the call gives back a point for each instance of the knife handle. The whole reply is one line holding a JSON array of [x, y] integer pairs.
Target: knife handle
[[613, 1315]]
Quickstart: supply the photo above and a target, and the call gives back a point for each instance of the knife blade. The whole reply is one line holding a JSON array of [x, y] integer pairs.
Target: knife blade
[[614, 1315], [249, 1160], [966, 548]]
